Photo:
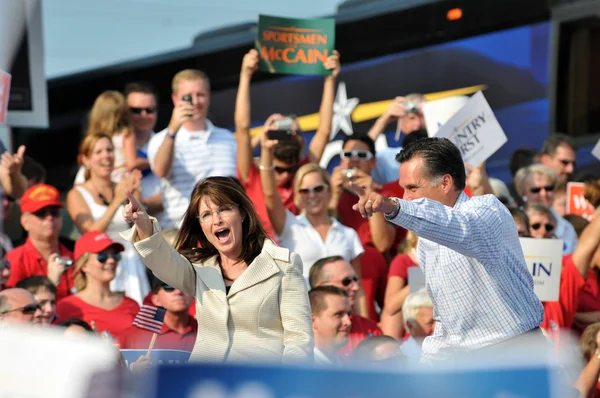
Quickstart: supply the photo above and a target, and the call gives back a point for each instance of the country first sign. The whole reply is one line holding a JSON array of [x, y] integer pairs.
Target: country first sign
[[295, 46]]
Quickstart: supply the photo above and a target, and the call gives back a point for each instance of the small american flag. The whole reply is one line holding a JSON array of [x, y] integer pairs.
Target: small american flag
[[150, 318]]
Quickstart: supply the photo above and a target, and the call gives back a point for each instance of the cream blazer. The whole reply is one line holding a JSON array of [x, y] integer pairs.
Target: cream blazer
[[266, 315]]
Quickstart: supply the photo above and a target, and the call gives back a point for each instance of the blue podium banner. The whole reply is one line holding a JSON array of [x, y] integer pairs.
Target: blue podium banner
[[239, 381], [160, 357]]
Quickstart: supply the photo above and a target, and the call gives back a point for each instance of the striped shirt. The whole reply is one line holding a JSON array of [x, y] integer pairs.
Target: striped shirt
[[475, 273], [197, 155]]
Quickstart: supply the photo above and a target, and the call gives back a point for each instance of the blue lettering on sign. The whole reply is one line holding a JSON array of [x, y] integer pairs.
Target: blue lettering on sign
[[540, 267], [160, 357]]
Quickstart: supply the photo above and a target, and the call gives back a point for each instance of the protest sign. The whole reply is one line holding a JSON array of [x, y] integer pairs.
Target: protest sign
[[596, 150], [544, 263], [474, 130], [295, 46], [4, 93], [157, 356], [416, 279], [437, 113], [576, 202]]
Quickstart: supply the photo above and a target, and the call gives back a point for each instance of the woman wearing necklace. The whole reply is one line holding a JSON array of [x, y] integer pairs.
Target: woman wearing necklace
[[96, 205], [251, 298]]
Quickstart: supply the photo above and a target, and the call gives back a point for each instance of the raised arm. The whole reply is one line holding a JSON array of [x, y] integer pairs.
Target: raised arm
[[589, 241], [13, 181], [321, 138], [275, 206], [165, 262], [132, 161], [242, 115], [395, 111], [163, 161]]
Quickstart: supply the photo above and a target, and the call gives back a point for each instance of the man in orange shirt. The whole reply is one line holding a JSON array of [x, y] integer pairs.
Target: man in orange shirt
[[42, 253], [179, 328]]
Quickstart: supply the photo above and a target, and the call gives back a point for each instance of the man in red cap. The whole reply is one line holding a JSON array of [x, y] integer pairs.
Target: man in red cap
[[42, 254]]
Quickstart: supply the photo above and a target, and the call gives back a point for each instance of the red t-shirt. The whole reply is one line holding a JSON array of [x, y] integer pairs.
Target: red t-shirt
[[191, 311], [373, 269], [361, 329], [560, 314], [136, 338], [26, 261], [400, 265], [254, 191], [115, 321]]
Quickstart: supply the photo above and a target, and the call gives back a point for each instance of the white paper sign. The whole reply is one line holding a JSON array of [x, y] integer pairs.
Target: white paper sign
[[596, 150], [437, 113], [474, 130], [4, 92], [416, 279], [544, 263]]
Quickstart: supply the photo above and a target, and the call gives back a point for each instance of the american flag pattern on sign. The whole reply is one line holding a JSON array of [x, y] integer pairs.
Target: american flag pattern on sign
[[150, 318]]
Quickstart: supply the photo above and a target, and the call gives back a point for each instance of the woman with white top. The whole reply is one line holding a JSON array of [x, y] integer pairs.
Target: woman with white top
[[313, 234], [96, 205]]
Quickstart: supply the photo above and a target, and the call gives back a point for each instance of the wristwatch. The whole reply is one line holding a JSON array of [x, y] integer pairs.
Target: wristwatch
[[394, 213]]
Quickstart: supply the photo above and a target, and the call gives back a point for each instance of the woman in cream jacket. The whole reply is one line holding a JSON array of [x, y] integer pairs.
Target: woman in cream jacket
[[251, 298]]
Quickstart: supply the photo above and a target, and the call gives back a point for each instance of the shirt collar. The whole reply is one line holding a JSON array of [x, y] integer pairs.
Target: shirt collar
[[301, 219], [462, 198], [34, 254], [320, 356], [192, 327]]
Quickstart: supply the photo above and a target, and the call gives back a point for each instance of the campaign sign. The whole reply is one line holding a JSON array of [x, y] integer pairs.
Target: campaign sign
[[437, 113], [544, 262], [260, 381], [576, 202], [295, 46], [4, 91], [416, 279], [474, 130], [157, 356]]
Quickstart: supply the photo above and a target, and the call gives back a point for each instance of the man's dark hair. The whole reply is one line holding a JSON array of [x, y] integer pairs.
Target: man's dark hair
[[33, 171], [440, 157], [288, 151], [365, 350], [520, 215], [76, 322], [362, 137], [34, 283], [522, 157], [556, 140], [318, 294], [314, 275], [414, 136], [140, 87]]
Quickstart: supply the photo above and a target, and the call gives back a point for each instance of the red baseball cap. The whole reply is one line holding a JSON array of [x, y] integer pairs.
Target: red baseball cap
[[39, 196], [94, 242]]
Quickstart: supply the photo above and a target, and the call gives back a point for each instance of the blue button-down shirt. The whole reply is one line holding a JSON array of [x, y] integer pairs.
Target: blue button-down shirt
[[475, 273]]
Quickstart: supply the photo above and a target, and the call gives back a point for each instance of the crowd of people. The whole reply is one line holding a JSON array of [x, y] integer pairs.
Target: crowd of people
[[273, 258]]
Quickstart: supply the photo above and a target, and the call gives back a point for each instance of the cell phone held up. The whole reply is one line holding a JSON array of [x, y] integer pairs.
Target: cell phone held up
[[283, 130], [187, 98]]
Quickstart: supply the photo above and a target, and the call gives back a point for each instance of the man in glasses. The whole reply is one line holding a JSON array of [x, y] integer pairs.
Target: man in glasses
[[179, 328], [142, 101], [334, 271], [191, 148], [536, 184], [560, 154], [18, 305], [42, 253], [289, 154]]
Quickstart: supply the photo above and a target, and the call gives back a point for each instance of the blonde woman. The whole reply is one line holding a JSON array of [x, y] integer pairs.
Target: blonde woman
[[97, 259], [97, 203], [109, 115], [397, 287]]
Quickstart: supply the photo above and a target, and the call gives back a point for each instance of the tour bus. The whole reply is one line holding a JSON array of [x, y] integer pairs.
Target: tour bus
[[535, 61]]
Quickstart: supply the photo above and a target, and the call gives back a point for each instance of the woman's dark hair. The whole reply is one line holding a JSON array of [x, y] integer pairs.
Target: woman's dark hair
[[76, 322], [440, 157], [33, 284], [222, 191]]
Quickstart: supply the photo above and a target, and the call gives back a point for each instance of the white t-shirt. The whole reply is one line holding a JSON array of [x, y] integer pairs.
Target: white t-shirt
[[197, 155], [301, 237]]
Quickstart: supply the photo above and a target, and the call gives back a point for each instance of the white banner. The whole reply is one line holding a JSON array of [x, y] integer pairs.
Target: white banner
[[474, 130], [437, 113], [544, 263]]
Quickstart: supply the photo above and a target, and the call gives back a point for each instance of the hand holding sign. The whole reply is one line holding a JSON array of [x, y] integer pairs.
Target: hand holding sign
[[333, 64], [370, 202], [135, 213], [250, 62]]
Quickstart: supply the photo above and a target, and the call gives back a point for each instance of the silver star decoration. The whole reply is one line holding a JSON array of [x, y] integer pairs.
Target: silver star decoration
[[342, 111]]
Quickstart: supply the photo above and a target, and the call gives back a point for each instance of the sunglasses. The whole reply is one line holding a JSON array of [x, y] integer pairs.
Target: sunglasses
[[360, 155], [43, 213], [281, 170], [549, 188], [314, 189], [168, 288], [103, 256], [29, 309], [4, 264], [138, 111], [349, 279], [537, 225]]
